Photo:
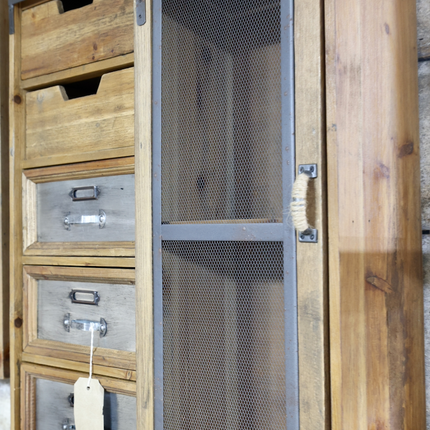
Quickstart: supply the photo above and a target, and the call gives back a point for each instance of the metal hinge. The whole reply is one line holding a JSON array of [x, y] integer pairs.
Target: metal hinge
[[12, 3], [140, 12]]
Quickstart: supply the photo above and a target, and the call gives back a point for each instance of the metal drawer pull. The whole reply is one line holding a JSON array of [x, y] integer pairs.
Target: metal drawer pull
[[67, 425], [85, 297], [71, 400], [85, 325], [78, 194], [99, 219]]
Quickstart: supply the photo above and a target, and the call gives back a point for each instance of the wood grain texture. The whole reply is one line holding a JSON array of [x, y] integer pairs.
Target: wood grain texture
[[144, 281], [111, 372], [16, 144], [376, 297], [423, 33], [80, 261], [57, 126], [4, 192], [79, 73], [312, 262], [100, 30]]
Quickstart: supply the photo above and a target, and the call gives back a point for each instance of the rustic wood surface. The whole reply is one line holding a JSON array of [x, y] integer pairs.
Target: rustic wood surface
[[376, 297], [79, 73], [16, 144], [80, 261], [4, 192], [144, 281], [312, 258], [100, 30], [57, 126]]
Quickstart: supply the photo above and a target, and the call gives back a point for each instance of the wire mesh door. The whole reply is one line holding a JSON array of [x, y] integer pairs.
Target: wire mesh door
[[224, 252]]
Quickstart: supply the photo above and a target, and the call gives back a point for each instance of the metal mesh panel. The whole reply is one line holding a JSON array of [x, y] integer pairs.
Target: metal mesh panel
[[223, 329], [221, 111]]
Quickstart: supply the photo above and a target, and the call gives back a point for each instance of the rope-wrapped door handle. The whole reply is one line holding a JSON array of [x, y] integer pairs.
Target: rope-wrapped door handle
[[299, 203]]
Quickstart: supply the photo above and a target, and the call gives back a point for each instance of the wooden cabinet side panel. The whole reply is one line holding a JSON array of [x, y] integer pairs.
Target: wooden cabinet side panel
[[375, 284], [4, 192]]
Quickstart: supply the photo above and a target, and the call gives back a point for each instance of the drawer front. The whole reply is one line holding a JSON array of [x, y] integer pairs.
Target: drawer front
[[116, 306], [98, 31], [107, 216], [84, 126], [53, 407]]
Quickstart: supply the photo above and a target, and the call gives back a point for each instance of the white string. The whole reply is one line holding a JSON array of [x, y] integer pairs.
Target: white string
[[91, 357], [298, 203]]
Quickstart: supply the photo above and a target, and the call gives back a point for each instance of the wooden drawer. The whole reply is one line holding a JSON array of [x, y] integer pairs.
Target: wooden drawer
[[61, 302], [97, 126], [53, 40], [91, 214], [46, 393]]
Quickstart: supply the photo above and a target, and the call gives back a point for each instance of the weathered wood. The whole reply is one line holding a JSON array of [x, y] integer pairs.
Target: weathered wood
[[376, 297], [4, 192], [423, 33], [144, 280], [57, 126], [16, 143], [79, 73], [100, 30], [80, 261], [312, 261], [111, 372]]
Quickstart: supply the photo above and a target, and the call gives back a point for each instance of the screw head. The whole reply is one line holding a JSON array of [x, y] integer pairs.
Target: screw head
[[312, 168], [302, 237], [302, 169], [312, 237]]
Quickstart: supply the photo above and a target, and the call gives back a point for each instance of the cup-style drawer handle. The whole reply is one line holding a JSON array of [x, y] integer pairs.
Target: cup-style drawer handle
[[71, 400], [84, 297], [80, 194], [99, 219], [67, 425], [85, 325]]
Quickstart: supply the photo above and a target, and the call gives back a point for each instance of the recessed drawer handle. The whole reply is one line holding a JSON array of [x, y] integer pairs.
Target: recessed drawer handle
[[99, 219], [85, 325], [85, 297], [79, 194], [67, 425]]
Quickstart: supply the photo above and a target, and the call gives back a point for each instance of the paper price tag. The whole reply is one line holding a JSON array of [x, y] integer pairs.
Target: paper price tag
[[89, 405]]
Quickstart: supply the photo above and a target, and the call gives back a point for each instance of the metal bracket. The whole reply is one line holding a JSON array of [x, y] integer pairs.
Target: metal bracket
[[67, 425], [309, 236], [309, 169], [140, 12], [85, 325], [12, 3]]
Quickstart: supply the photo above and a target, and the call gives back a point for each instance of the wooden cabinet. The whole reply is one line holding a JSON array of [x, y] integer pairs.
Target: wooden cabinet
[[174, 130]]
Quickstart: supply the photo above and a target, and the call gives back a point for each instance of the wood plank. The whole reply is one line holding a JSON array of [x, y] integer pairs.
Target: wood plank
[[57, 126], [79, 73], [79, 249], [113, 385], [423, 33], [16, 143], [100, 30], [144, 281], [4, 192], [117, 166], [312, 262], [376, 297], [111, 372], [80, 261]]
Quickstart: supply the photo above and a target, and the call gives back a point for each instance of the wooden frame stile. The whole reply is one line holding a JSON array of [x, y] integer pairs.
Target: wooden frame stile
[[4, 193], [31, 372], [58, 350], [16, 139], [312, 276], [143, 174], [376, 294]]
